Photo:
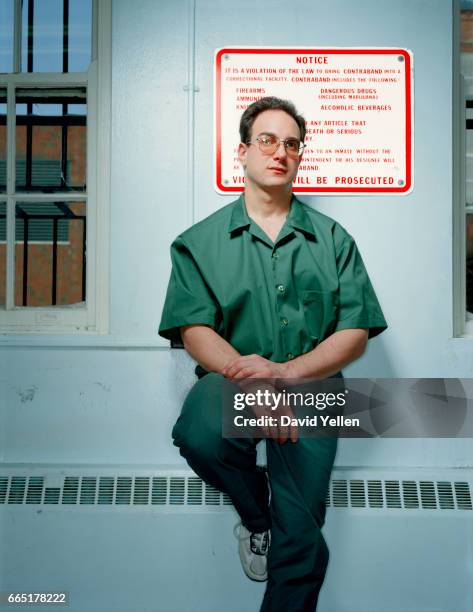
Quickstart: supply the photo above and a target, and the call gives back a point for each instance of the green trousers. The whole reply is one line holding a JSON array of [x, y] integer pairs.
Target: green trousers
[[294, 508]]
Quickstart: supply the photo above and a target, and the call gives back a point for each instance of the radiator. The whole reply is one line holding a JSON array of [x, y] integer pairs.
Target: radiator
[[137, 538]]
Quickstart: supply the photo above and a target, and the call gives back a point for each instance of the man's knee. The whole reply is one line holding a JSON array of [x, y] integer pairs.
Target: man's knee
[[196, 446], [198, 430], [202, 407], [205, 398]]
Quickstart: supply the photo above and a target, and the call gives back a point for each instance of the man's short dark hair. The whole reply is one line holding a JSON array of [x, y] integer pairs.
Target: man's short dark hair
[[264, 104]]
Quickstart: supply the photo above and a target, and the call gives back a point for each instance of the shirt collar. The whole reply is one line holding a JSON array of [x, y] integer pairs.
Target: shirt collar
[[297, 218], [239, 216]]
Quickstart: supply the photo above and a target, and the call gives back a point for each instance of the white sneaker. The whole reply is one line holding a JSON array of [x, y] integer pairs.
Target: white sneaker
[[253, 549]]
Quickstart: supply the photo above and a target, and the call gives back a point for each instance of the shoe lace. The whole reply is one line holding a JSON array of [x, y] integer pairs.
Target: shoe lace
[[259, 542]]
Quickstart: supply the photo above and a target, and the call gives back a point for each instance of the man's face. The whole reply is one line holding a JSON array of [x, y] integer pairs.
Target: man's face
[[277, 170]]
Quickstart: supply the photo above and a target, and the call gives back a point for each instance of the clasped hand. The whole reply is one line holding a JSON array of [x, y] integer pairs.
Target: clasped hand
[[249, 367]]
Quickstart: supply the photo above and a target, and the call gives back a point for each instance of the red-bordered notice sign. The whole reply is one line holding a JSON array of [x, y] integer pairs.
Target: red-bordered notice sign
[[357, 104]]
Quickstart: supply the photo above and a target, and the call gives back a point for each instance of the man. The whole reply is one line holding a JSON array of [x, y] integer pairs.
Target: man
[[266, 287]]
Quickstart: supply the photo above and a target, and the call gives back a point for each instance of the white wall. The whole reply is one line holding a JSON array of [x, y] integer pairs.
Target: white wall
[[71, 400], [97, 404]]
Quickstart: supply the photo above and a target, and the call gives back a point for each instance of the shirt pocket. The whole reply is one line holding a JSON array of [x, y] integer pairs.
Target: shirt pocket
[[320, 313]]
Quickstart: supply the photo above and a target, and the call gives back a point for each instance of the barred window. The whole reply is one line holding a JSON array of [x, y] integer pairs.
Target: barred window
[[48, 153]]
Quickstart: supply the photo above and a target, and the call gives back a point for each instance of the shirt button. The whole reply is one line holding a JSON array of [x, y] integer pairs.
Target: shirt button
[[284, 322], [290, 356], [281, 288], [275, 255]]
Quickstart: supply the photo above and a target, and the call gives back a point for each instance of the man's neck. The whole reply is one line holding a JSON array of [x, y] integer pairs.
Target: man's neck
[[266, 204]]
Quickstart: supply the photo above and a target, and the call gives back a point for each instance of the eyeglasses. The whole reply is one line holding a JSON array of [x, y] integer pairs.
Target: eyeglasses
[[269, 144]]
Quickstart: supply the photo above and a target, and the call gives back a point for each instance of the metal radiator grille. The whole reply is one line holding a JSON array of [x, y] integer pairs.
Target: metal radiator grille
[[400, 494], [192, 491]]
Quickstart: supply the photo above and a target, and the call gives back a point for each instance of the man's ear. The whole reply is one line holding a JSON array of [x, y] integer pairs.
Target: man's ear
[[242, 149]]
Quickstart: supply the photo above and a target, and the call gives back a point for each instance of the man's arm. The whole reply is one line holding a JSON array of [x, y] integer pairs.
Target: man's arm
[[207, 347], [326, 359], [213, 353], [330, 356]]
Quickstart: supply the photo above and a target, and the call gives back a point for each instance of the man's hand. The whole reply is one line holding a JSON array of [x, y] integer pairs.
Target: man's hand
[[286, 431], [279, 432], [254, 366]]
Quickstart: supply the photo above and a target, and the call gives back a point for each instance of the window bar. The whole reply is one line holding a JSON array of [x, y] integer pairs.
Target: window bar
[[54, 279], [29, 106], [65, 68], [30, 35], [11, 172], [29, 146], [84, 246], [25, 258], [64, 129], [65, 36]]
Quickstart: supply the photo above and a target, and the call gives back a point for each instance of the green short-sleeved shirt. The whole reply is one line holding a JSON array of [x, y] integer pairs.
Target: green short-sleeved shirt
[[278, 300]]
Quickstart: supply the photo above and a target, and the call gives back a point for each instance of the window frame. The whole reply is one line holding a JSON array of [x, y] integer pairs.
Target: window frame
[[466, 319], [461, 327], [93, 317]]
